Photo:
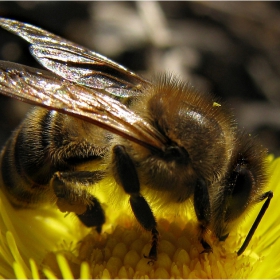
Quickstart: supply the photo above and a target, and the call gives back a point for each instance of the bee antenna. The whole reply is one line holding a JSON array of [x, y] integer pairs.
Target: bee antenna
[[268, 196]]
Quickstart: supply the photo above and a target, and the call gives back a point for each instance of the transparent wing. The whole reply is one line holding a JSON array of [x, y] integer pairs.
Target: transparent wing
[[43, 88], [76, 63]]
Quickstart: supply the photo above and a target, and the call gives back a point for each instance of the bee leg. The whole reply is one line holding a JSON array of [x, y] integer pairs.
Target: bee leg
[[94, 215], [202, 210], [71, 189], [206, 247], [127, 176]]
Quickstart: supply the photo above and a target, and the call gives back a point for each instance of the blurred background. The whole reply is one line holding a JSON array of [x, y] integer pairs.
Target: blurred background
[[231, 49]]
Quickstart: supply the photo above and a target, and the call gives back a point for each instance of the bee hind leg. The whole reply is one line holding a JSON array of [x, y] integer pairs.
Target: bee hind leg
[[126, 175], [94, 215], [72, 192]]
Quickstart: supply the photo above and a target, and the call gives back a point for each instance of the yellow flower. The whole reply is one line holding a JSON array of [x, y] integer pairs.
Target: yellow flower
[[44, 243]]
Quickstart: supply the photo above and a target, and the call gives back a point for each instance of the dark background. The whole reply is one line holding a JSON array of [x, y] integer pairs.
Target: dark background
[[231, 49]]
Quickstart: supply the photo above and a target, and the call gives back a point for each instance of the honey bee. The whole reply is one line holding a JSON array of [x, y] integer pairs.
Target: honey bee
[[160, 136]]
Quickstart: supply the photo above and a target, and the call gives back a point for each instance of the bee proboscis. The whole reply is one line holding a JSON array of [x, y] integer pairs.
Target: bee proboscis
[[162, 136]]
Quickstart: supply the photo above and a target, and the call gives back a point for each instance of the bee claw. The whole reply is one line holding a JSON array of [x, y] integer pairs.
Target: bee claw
[[207, 248], [207, 251], [151, 258]]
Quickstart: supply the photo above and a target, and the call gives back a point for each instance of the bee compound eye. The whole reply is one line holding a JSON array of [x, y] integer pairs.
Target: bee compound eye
[[241, 188]]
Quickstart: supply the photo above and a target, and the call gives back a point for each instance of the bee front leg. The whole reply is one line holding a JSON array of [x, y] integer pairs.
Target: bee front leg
[[71, 190], [127, 176], [202, 210]]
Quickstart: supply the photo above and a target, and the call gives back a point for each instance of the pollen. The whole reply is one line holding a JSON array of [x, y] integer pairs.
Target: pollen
[[215, 104]]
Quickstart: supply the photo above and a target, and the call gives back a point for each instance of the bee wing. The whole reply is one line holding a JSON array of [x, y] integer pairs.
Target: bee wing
[[76, 63], [45, 89]]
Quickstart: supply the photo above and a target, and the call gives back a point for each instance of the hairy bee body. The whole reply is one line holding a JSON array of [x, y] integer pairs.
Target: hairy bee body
[[165, 139], [46, 142]]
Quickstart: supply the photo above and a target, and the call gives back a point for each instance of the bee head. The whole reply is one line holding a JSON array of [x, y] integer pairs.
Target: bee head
[[200, 133]]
